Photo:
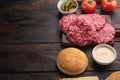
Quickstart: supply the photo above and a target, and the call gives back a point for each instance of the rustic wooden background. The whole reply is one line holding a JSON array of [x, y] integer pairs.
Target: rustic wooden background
[[30, 40]]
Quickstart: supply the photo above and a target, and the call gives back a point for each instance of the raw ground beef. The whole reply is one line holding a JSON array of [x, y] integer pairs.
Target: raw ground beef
[[94, 20], [66, 21], [79, 36], [97, 20], [104, 35], [86, 29]]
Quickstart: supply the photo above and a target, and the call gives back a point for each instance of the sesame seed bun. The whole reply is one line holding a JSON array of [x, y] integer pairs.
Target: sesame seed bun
[[114, 76], [72, 61]]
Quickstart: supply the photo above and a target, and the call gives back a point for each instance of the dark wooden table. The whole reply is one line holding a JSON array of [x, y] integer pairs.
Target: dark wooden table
[[30, 40]]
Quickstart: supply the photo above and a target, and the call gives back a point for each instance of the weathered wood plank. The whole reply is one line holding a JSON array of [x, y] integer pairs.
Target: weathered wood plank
[[42, 57], [27, 4], [28, 57], [115, 16], [50, 75], [29, 26]]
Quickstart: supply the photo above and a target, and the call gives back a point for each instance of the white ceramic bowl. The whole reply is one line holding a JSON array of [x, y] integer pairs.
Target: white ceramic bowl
[[60, 2], [104, 54]]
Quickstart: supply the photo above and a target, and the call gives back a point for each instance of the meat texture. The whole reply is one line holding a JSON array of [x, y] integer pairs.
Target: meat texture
[[104, 35], [87, 29], [66, 21]]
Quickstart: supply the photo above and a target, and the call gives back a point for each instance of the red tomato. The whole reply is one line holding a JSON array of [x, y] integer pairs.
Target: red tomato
[[109, 5], [88, 6]]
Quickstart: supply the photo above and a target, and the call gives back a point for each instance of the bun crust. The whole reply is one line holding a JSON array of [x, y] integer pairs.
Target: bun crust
[[114, 76], [72, 61]]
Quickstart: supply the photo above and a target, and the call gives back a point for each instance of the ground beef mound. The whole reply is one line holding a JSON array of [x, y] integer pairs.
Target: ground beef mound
[[66, 21], [104, 35], [86, 29]]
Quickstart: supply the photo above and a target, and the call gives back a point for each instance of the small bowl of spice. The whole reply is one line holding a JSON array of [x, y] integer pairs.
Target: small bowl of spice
[[104, 54], [67, 6]]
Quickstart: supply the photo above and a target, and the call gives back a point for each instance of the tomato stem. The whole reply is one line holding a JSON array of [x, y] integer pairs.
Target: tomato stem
[[109, 0], [89, 1]]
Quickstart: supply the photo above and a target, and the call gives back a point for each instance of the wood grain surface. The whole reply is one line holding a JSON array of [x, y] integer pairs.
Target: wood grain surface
[[30, 40]]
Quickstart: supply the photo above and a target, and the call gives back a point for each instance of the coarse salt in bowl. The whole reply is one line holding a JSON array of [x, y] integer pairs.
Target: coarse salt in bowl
[[104, 54], [66, 12]]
